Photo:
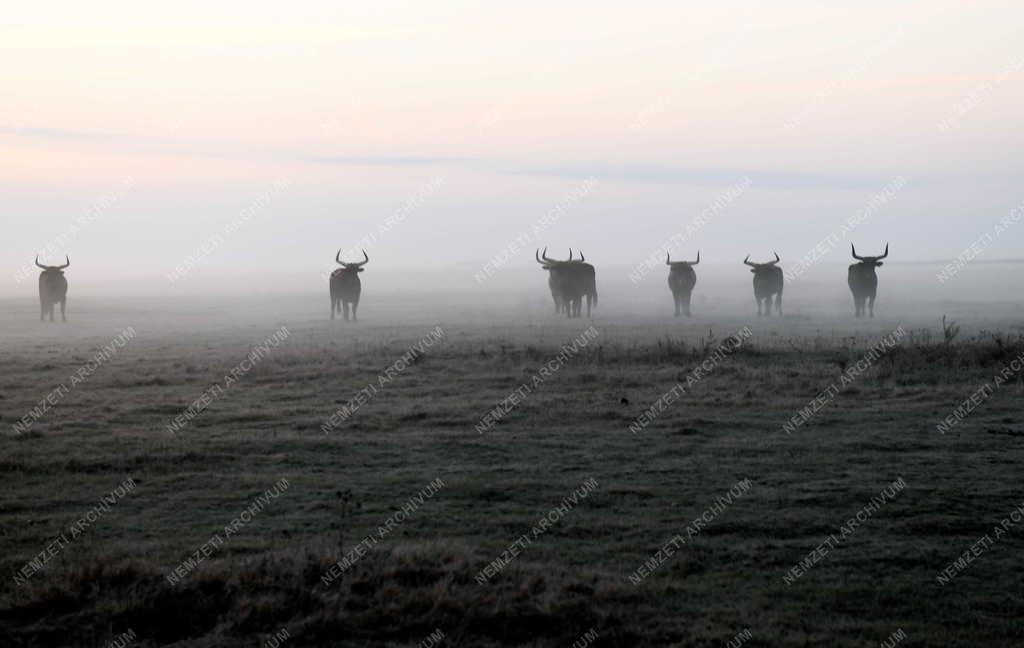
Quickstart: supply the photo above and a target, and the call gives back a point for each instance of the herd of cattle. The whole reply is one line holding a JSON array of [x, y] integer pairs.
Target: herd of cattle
[[571, 281]]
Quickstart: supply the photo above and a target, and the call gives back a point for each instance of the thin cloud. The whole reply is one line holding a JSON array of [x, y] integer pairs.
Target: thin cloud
[[630, 172], [639, 172]]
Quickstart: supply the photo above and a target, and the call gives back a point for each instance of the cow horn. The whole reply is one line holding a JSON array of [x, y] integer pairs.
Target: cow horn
[[536, 255], [582, 258], [357, 264], [853, 251], [747, 261], [67, 262], [698, 258], [550, 261], [886, 253], [668, 258], [777, 259], [39, 264]]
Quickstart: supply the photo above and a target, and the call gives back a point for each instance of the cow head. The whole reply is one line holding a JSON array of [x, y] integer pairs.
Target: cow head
[[761, 267], [54, 269], [678, 264], [352, 267], [870, 261], [547, 263]]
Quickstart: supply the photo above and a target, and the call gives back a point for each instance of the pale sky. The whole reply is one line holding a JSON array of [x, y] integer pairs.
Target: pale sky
[[131, 135]]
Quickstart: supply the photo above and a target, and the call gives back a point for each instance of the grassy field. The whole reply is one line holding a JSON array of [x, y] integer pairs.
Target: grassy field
[[419, 573]]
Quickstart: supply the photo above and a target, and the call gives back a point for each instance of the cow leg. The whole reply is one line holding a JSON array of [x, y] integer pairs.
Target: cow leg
[[778, 304], [334, 305], [355, 305], [758, 299], [344, 309], [63, 304], [42, 312], [675, 300], [50, 308], [686, 304], [589, 302], [871, 305]]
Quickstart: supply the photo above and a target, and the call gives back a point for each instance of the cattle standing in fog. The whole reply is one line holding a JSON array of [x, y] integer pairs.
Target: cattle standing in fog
[[863, 280], [767, 282], [681, 280], [345, 286], [570, 281], [53, 289], [556, 279], [587, 276]]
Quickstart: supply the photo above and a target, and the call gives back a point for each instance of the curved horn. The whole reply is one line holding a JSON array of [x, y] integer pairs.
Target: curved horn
[[536, 255], [853, 251], [886, 253], [698, 258], [544, 255], [39, 264], [582, 258], [67, 262], [668, 258], [777, 259], [570, 254], [338, 258], [366, 259], [747, 261]]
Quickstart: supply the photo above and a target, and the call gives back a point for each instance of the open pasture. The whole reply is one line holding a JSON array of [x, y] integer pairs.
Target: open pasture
[[622, 559]]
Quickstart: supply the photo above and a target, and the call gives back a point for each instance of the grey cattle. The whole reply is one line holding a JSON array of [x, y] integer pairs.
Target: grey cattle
[[767, 283], [557, 280], [681, 280], [346, 287], [53, 289], [863, 280], [570, 282]]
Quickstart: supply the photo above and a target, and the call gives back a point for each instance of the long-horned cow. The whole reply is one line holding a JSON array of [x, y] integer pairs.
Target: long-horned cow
[[767, 283], [556, 279], [681, 280], [345, 286], [53, 289], [570, 281], [863, 280], [587, 277]]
